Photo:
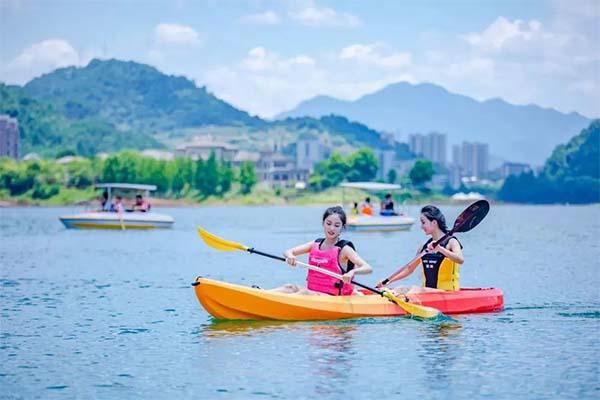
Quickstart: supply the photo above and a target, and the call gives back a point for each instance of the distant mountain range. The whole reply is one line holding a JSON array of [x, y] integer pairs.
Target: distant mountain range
[[110, 105], [516, 133]]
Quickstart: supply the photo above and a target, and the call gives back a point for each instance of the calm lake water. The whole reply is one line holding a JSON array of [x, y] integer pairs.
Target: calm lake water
[[103, 314]]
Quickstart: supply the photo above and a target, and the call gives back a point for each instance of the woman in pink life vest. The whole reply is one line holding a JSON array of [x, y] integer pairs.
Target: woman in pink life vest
[[329, 253]]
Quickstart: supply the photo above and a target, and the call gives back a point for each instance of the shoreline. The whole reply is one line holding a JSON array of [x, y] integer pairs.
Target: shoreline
[[173, 203]]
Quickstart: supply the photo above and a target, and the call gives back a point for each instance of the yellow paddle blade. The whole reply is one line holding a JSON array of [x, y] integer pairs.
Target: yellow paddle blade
[[218, 242], [414, 309]]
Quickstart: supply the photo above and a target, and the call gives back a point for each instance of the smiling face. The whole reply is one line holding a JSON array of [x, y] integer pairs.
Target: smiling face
[[428, 226], [332, 226]]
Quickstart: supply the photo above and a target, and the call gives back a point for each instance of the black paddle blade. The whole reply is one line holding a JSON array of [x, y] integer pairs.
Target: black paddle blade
[[472, 216]]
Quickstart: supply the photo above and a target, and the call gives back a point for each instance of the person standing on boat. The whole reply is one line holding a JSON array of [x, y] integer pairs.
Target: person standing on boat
[[105, 205], [441, 264], [330, 253]]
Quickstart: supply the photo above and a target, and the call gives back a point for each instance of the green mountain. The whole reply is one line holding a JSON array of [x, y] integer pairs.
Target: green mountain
[[579, 157], [134, 96], [45, 130], [570, 175]]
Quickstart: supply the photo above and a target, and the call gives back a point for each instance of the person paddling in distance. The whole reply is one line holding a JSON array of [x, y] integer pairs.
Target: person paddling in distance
[[441, 264], [329, 253]]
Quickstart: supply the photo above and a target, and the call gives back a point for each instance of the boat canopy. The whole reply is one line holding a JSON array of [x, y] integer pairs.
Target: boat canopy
[[374, 186], [130, 186]]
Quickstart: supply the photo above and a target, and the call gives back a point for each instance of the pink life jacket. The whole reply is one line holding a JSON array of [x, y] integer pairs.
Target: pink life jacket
[[329, 260]]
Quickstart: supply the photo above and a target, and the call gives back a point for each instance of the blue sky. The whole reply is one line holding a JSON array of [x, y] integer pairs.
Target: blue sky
[[266, 56]]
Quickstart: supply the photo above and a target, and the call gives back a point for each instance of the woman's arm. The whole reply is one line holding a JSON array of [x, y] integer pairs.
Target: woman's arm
[[361, 267], [290, 254], [453, 252], [404, 272]]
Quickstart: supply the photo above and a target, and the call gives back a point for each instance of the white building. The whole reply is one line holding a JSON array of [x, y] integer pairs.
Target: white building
[[278, 170], [243, 156], [203, 147]]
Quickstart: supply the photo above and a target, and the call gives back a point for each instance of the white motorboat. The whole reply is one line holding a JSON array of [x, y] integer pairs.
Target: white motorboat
[[106, 219], [378, 223]]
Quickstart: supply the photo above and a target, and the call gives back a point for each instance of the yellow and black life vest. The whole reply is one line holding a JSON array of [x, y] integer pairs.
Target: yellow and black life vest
[[440, 272]]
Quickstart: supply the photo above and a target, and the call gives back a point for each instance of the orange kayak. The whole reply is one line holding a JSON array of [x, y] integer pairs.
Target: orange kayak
[[229, 301]]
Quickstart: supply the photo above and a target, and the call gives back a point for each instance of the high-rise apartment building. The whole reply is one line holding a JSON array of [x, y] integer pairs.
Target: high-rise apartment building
[[431, 146], [9, 137], [473, 158]]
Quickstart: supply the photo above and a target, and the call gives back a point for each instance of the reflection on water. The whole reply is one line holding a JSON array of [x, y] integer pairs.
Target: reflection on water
[[440, 348], [226, 329], [332, 367]]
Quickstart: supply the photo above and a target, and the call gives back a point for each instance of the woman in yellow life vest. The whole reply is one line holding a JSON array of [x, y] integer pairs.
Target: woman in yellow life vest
[[441, 264]]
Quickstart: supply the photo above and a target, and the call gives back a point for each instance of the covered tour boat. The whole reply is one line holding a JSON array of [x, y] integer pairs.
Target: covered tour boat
[[107, 219], [361, 222]]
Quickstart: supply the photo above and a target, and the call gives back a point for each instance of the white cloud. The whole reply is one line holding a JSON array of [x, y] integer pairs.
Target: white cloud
[[175, 34], [302, 60], [323, 16], [259, 59], [40, 58], [372, 54], [503, 34], [266, 83], [55, 52], [265, 18], [553, 64]]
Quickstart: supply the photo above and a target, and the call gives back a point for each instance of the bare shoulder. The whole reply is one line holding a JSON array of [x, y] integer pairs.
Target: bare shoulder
[[347, 251], [302, 248], [453, 243]]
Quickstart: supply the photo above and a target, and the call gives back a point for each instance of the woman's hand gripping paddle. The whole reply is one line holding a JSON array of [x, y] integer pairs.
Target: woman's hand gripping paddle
[[467, 220], [219, 243]]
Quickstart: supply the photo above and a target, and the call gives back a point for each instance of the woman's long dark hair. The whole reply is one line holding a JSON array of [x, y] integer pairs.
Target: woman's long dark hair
[[335, 210], [433, 213]]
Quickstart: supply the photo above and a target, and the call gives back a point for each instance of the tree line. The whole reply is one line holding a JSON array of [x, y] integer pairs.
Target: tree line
[[42, 179]]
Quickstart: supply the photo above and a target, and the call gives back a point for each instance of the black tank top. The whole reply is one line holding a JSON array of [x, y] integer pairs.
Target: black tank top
[[432, 261]]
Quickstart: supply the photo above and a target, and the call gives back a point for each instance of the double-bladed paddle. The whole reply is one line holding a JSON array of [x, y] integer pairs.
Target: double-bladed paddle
[[226, 245], [467, 220]]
